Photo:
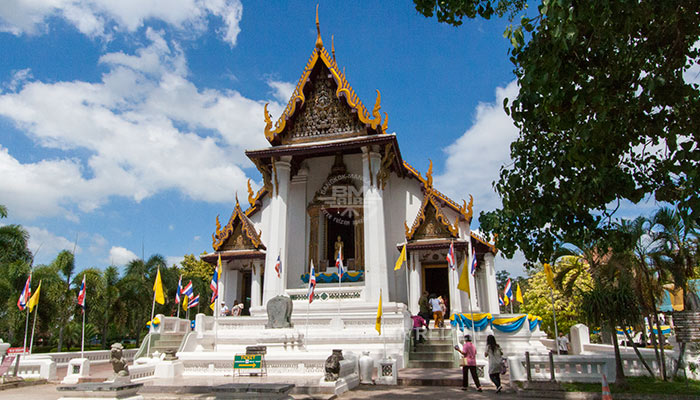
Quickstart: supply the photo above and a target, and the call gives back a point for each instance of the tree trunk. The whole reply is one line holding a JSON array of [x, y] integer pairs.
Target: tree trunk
[[681, 353], [619, 370], [656, 346], [60, 337], [661, 345], [636, 351]]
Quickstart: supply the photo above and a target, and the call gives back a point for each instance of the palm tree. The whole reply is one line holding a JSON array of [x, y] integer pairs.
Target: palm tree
[[638, 242], [676, 254], [110, 305], [65, 264], [136, 289]]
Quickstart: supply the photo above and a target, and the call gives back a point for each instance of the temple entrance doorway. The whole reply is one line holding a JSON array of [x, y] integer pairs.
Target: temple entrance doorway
[[436, 281], [340, 232], [245, 298]]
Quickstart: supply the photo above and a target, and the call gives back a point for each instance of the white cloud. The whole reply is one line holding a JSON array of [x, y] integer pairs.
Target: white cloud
[[281, 90], [138, 125], [474, 160], [46, 245], [103, 18], [171, 260], [691, 74], [120, 255]]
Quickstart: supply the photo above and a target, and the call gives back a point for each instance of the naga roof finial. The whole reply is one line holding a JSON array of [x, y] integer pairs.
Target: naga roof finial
[[319, 42], [333, 47], [429, 176]]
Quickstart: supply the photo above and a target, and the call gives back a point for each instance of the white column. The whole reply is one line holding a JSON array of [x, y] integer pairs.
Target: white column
[[374, 230], [274, 286], [255, 295], [414, 282], [491, 295]]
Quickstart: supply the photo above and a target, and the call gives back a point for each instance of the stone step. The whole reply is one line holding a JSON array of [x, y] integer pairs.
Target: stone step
[[430, 364], [433, 347], [425, 356]]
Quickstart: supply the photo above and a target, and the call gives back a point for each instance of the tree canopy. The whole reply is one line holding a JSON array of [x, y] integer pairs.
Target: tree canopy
[[607, 113]]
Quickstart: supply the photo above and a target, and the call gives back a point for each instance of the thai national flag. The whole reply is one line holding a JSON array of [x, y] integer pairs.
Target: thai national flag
[[278, 267], [339, 264], [188, 290], [194, 302], [177, 292], [451, 260], [26, 294], [508, 291], [312, 283], [214, 284], [473, 271], [500, 301], [81, 294]]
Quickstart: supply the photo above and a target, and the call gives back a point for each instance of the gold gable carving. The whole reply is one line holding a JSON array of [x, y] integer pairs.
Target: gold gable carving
[[322, 114], [238, 226]]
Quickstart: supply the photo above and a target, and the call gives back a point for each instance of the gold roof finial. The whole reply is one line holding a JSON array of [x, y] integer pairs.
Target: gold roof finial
[[333, 47], [319, 42]]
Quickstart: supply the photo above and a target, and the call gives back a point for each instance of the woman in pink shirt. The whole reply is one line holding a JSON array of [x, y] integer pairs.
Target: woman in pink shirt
[[468, 352]]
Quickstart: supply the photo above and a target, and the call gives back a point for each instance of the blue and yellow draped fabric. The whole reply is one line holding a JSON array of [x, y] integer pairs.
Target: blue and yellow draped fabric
[[534, 321], [666, 329], [356, 276], [508, 325], [482, 321], [630, 330]]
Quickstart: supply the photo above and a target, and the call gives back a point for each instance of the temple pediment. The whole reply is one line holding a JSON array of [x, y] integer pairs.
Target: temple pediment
[[238, 234], [324, 106]]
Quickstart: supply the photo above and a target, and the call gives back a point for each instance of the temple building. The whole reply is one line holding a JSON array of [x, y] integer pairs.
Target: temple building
[[335, 186], [334, 181]]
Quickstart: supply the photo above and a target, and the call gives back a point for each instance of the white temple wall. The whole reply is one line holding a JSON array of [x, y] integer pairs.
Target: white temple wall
[[232, 286], [296, 230]]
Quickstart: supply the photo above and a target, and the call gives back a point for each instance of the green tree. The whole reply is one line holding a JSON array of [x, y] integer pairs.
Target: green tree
[[136, 290], [65, 265], [200, 272], [538, 301], [604, 112]]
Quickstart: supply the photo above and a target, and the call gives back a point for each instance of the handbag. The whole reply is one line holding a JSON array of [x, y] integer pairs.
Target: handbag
[[463, 362], [504, 366]]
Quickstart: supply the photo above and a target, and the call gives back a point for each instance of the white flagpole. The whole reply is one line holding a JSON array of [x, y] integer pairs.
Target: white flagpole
[[381, 323], [150, 326], [26, 324], [26, 327], [554, 314], [180, 303], [31, 342], [306, 335], [408, 293], [82, 340], [471, 309], [340, 278]]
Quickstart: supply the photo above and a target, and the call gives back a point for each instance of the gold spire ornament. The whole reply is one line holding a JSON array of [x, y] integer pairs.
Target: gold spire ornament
[[429, 176], [333, 47], [251, 195], [319, 42]]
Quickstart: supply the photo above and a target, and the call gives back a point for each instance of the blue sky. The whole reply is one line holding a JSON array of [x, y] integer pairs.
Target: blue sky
[[123, 124]]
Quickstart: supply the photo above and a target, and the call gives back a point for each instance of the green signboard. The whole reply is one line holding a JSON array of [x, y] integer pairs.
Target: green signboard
[[247, 361]]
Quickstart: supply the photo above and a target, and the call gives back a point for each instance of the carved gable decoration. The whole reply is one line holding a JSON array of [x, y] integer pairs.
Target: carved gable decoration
[[431, 228], [323, 114], [431, 223], [238, 234], [331, 107]]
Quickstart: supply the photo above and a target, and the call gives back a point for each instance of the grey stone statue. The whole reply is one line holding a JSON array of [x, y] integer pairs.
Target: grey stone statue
[[279, 313], [333, 365], [116, 358]]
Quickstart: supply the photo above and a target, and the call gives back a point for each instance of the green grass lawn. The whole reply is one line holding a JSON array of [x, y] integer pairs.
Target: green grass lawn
[[640, 385]]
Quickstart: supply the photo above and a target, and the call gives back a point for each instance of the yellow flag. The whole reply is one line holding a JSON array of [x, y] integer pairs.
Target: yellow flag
[[506, 300], [378, 325], [34, 300], [463, 284], [158, 289], [519, 294], [185, 301], [550, 275], [401, 260]]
